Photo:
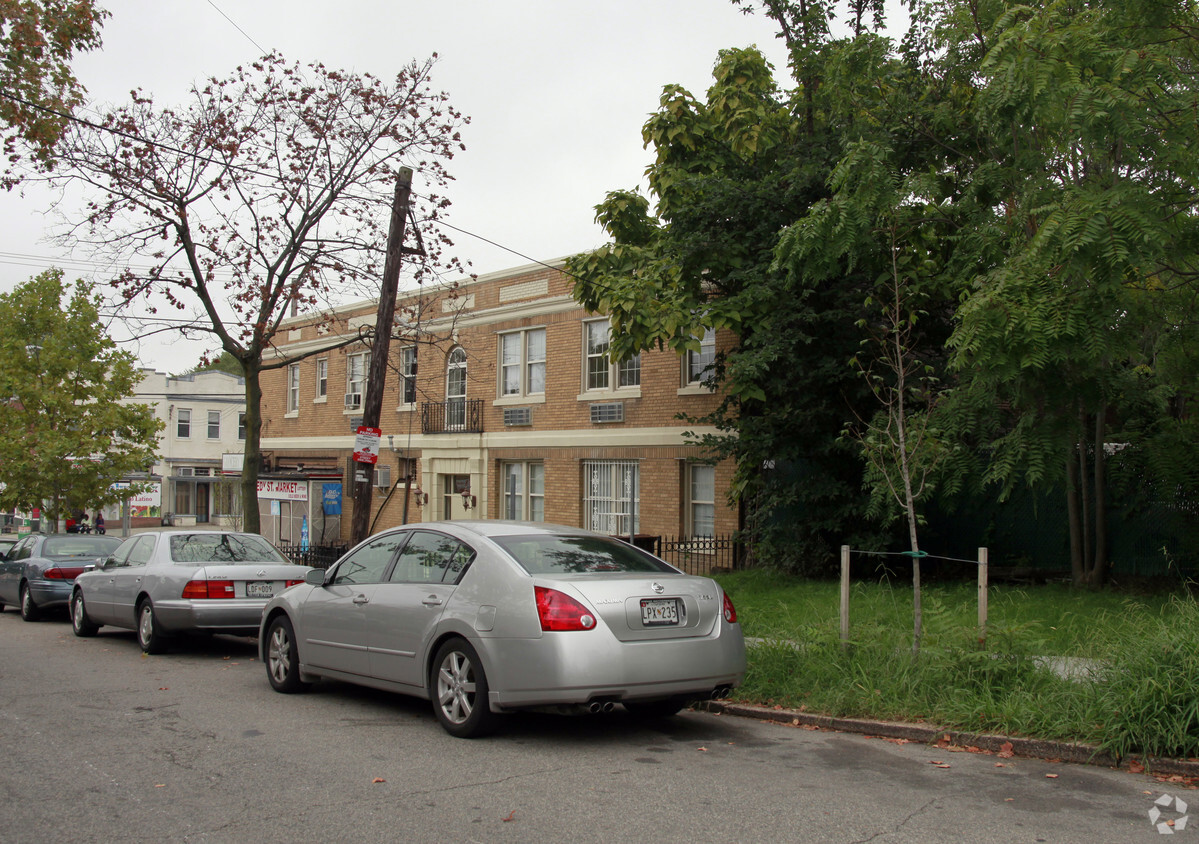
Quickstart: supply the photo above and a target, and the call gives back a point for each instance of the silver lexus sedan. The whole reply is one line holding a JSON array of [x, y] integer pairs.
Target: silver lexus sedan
[[166, 583], [483, 617]]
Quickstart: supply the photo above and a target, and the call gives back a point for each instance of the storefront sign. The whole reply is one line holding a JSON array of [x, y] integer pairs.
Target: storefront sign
[[283, 490]]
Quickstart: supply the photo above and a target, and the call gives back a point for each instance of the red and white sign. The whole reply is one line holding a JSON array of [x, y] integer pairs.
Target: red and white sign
[[366, 444], [283, 490]]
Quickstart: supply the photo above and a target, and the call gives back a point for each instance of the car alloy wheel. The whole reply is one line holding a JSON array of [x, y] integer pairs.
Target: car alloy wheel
[[459, 691], [29, 610], [148, 634], [80, 623], [282, 657]]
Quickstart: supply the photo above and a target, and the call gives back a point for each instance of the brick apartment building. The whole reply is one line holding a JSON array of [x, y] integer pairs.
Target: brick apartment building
[[500, 403]]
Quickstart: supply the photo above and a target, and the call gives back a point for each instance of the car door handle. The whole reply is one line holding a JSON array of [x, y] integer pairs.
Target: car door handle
[[432, 601], [361, 599]]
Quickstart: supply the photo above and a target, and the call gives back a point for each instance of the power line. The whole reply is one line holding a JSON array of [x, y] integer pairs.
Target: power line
[[238, 28]]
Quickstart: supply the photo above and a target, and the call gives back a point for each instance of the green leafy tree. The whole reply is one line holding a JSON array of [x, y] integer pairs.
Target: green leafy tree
[[38, 90], [729, 173], [66, 435], [1092, 168]]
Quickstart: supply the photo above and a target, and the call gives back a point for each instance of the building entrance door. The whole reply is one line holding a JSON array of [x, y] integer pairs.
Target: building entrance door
[[452, 487]]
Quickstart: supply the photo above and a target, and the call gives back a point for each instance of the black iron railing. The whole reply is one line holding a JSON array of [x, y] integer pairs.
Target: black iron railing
[[452, 416], [317, 556], [696, 554]]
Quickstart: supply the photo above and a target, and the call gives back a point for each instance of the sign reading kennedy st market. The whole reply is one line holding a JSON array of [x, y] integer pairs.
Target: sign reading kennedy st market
[[282, 490]]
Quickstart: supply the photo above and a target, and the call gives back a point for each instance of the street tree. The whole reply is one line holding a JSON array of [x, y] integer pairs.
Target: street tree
[[38, 89], [266, 194], [66, 435]]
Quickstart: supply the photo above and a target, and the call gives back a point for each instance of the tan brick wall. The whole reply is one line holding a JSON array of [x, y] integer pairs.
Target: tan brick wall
[[502, 302]]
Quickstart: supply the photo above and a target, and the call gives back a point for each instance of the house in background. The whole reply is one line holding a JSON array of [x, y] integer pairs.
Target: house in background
[[204, 418], [501, 402]]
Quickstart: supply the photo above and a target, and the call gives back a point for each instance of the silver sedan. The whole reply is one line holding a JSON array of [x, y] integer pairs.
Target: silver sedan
[[484, 617], [166, 583]]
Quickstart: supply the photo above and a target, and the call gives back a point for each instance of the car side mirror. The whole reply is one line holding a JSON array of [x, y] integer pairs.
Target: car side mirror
[[315, 577]]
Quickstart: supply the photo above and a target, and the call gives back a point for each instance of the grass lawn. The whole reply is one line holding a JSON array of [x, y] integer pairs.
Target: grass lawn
[[1141, 696]]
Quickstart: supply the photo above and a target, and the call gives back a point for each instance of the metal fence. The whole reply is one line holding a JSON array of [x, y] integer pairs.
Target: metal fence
[[697, 554], [317, 556]]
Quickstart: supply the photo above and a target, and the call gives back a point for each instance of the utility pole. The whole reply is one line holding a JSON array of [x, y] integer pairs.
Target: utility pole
[[372, 401]]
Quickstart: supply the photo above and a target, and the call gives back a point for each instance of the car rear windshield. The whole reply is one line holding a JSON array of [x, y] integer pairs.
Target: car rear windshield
[[79, 546], [541, 554], [223, 548]]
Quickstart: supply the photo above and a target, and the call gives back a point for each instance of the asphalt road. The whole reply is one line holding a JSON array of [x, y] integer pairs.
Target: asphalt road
[[99, 743]]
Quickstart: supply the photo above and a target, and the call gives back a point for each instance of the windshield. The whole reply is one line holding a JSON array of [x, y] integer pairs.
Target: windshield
[[574, 554], [73, 545], [223, 548]]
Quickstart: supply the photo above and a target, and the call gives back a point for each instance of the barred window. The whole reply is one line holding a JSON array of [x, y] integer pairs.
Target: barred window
[[611, 496]]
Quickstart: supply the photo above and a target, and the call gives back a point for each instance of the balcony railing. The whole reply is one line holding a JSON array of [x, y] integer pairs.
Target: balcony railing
[[452, 416]]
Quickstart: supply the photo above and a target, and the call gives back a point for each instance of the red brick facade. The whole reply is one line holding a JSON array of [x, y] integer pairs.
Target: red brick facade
[[536, 412]]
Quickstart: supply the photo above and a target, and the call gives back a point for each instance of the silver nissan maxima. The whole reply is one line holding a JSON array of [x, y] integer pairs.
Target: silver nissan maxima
[[484, 617]]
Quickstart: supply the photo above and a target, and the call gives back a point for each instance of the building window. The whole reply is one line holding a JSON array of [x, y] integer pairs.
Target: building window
[[183, 427], [382, 475], [455, 391], [241, 425], [601, 372], [522, 362], [699, 364], [701, 500], [322, 378], [293, 388], [356, 369], [408, 375], [214, 424], [523, 492], [611, 494]]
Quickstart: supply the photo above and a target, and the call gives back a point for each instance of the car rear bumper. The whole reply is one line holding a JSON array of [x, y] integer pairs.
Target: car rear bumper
[[51, 593], [583, 666], [236, 616]]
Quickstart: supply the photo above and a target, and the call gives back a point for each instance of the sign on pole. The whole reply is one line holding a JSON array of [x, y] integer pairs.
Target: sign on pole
[[366, 444]]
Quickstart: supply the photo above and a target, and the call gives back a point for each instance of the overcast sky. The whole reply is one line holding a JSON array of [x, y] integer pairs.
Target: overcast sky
[[557, 92]]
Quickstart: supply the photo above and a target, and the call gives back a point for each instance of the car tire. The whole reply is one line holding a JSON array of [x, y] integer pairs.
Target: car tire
[[29, 610], [80, 623], [654, 708], [458, 689], [282, 657], [148, 634]]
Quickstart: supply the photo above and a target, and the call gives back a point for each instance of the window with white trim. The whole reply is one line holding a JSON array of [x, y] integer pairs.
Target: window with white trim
[[357, 366], [522, 495], [611, 496], [601, 372], [241, 425], [322, 378], [214, 424], [522, 362], [293, 388], [700, 364], [408, 375], [455, 390], [183, 423], [701, 500]]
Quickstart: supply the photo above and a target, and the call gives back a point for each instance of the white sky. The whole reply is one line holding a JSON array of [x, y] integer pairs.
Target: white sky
[[557, 92]]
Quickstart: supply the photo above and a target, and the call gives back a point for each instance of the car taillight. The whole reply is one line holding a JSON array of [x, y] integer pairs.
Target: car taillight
[[63, 572], [730, 612], [559, 611], [203, 589], [291, 583]]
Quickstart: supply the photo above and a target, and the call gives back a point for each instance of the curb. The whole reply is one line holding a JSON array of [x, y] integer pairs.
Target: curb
[[1081, 754]]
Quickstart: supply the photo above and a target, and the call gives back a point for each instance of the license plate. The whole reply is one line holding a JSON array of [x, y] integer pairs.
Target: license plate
[[659, 611], [260, 589]]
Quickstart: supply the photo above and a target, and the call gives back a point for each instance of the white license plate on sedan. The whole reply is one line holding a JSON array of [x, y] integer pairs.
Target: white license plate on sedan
[[260, 589], [657, 612]]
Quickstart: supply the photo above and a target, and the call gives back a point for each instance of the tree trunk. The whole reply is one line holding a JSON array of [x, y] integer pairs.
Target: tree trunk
[[1099, 564], [253, 450], [1077, 569]]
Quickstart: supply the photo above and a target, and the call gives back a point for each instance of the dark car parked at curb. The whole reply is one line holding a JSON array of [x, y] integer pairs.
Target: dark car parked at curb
[[40, 570]]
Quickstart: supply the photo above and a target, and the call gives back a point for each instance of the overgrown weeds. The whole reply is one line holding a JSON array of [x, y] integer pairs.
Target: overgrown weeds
[[1098, 668]]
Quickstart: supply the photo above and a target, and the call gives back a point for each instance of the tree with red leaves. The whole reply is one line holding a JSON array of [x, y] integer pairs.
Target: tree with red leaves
[[268, 193]]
